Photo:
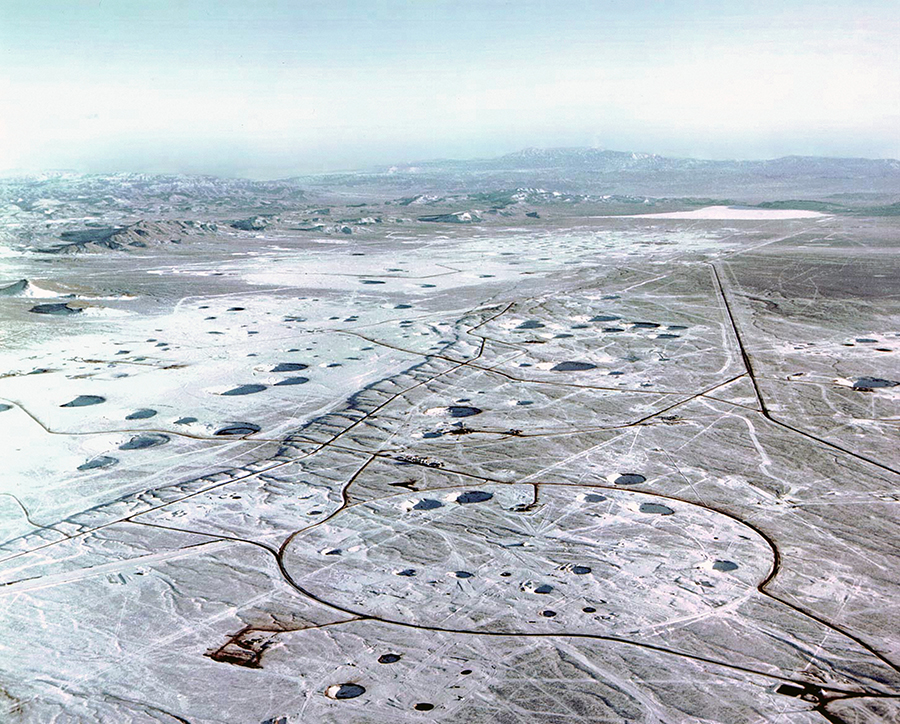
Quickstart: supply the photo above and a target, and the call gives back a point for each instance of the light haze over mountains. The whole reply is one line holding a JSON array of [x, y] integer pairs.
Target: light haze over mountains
[[279, 88]]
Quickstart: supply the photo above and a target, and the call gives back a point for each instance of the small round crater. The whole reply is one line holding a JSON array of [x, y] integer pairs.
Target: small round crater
[[85, 401], [873, 383], [101, 461], [462, 411], [292, 381], [473, 496], [142, 442], [573, 366], [289, 367], [238, 428], [656, 508], [57, 309], [344, 691], [244, 390], [630, 479], [428, 504]]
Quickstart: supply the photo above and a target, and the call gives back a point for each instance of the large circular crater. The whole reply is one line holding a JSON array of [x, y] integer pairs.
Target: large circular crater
[[491, 558]]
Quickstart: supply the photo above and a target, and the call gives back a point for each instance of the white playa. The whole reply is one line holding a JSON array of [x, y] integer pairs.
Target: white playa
[[732, 213]]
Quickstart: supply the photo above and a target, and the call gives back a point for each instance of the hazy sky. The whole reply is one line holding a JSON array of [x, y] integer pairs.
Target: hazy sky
[[268, 88]]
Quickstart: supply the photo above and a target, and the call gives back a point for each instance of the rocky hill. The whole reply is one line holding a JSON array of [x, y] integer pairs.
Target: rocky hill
[[128, 238]]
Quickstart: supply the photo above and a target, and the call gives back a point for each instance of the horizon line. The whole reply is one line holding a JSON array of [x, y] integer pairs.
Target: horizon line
[[385, 168]]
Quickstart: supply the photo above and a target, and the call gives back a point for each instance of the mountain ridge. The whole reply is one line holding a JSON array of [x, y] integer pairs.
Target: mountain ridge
[[610, 160]]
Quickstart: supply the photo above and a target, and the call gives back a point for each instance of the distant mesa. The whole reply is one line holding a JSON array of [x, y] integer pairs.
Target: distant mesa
[[457, 217], [254, 223], [56, 309], [139, 235], [85, 401]]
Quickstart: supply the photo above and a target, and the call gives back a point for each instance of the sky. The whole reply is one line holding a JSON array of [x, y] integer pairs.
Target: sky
[[272, 88]]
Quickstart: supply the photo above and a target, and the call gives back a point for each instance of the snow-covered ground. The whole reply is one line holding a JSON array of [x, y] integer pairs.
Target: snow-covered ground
[[493, 474]]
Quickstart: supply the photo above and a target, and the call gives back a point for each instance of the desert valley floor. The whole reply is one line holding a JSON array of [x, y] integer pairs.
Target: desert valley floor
[[605, 469]]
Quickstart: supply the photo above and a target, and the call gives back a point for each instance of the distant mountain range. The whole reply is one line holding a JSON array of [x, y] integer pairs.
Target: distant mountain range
[[601, 161], [560, 171], [591, 170]]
